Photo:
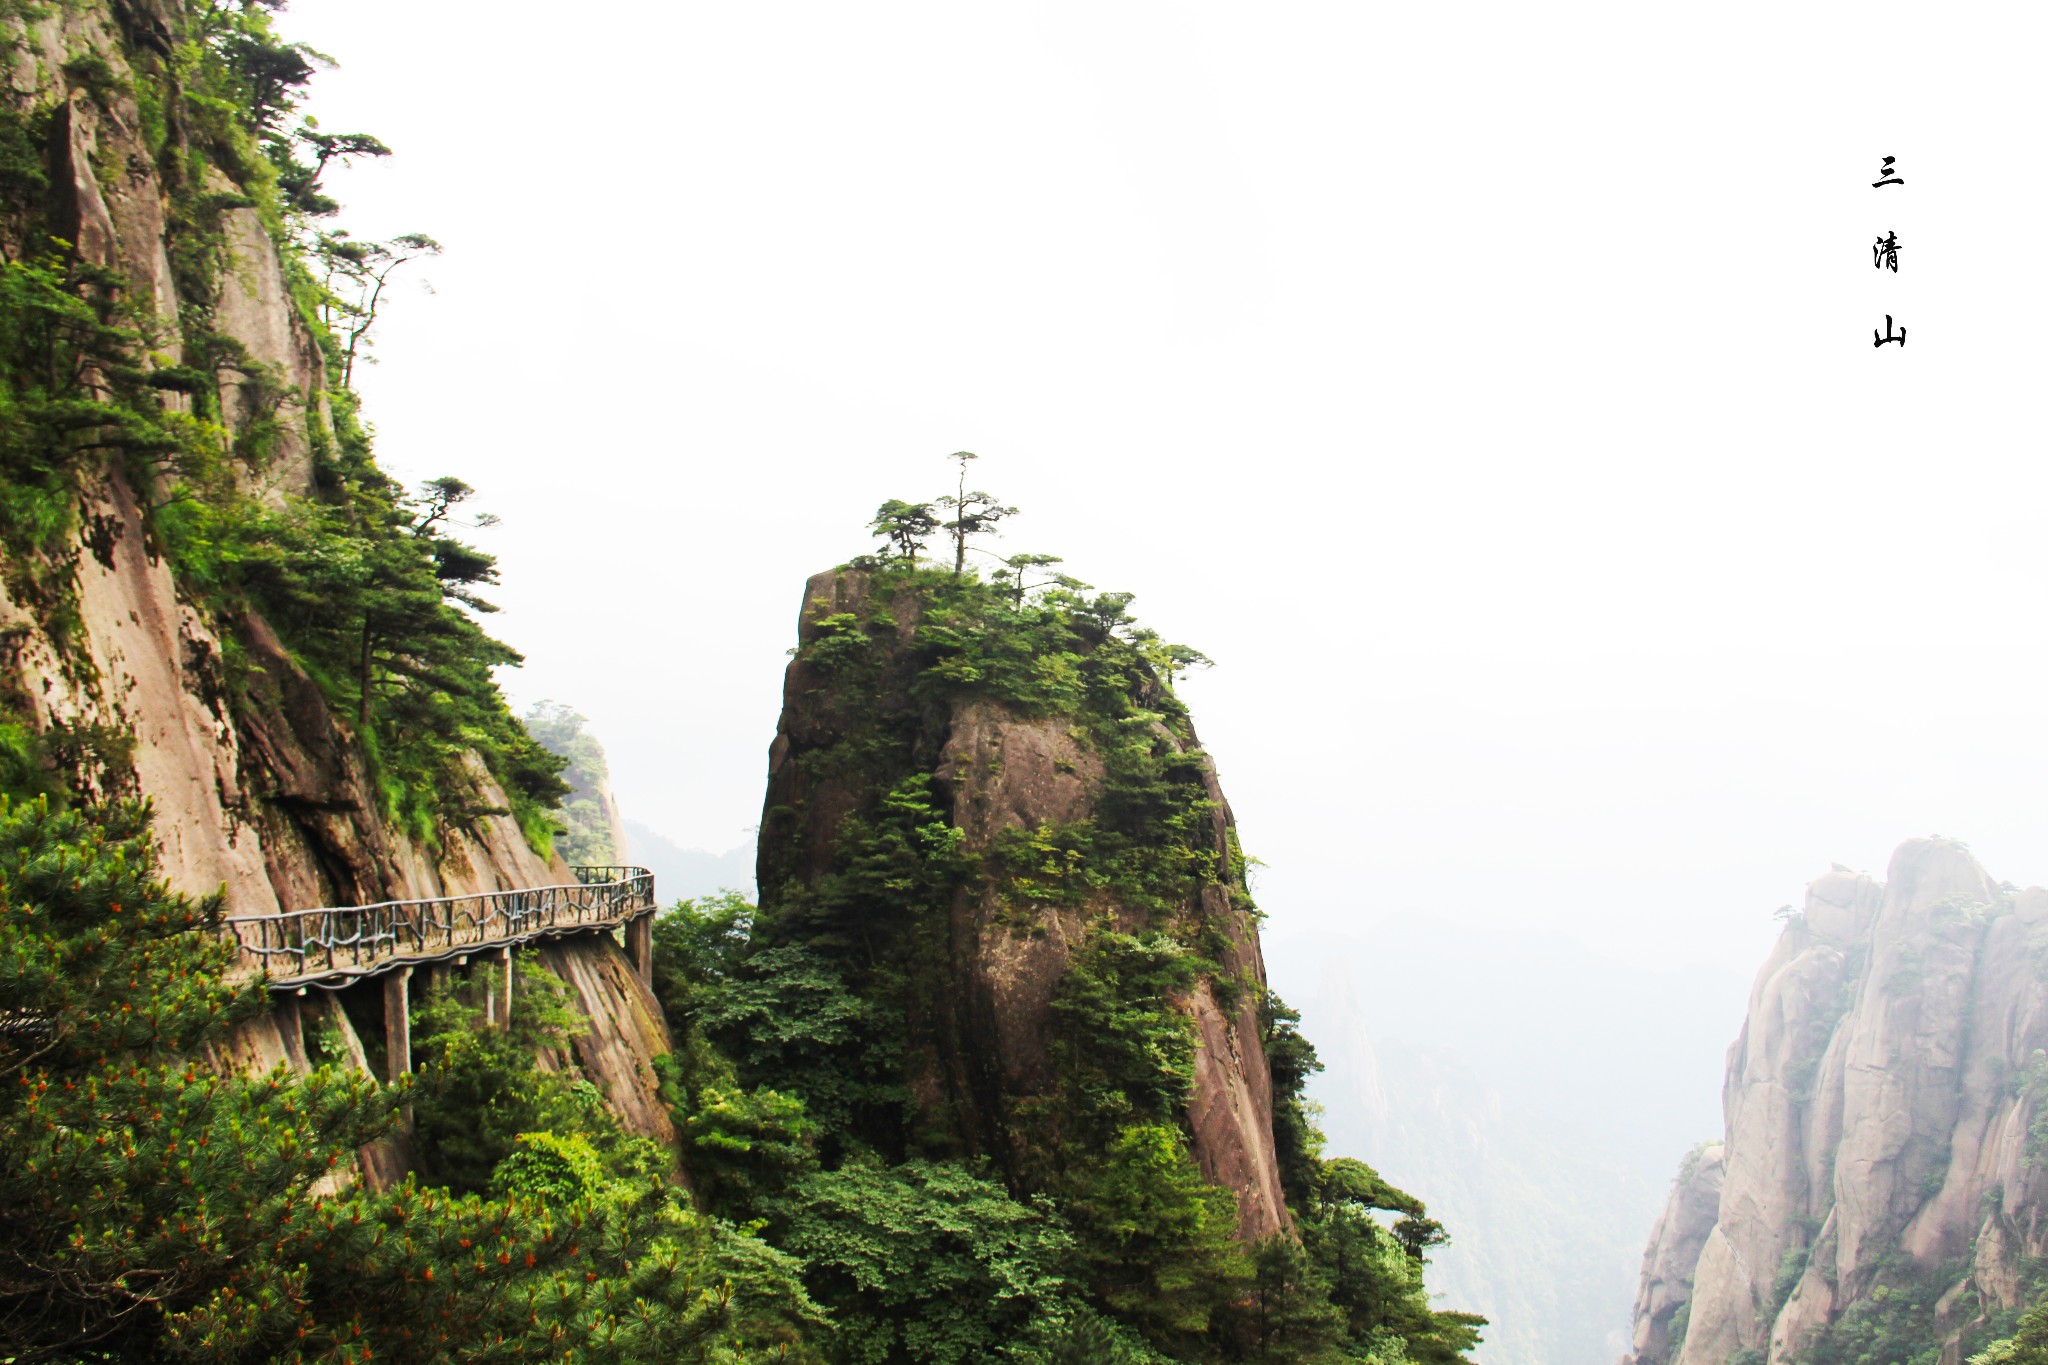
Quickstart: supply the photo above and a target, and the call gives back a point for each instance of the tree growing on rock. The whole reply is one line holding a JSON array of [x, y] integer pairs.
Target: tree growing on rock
[[1016, 571], [974, 514], [298, 182], [2028, 1346], [905, 527], [357, 273]]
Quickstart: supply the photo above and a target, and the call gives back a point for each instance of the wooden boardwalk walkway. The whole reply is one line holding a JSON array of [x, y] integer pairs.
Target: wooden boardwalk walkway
[[338, 945]]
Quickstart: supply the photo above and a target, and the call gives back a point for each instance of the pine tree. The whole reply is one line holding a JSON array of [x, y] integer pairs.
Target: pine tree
[[2027, 1346]]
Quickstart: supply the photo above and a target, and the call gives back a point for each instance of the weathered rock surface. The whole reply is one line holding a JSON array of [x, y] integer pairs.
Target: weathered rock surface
[[1877, 1104], [260, 792], [268, 800], [999, 770], [626, 1034], [1675, 1246]]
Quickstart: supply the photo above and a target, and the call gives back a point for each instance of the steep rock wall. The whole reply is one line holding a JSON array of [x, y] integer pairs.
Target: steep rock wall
[[1001, 770], [260, 791], [1668, 1265], [1878, 1104], [627, 1030]]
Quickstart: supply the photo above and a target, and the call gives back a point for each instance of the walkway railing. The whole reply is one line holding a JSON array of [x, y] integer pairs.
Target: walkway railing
[[338, 944]]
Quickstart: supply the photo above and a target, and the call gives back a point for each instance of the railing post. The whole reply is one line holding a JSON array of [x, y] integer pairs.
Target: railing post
[[640, 947]]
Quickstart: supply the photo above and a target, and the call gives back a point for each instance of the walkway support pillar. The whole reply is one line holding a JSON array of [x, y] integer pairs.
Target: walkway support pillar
[[291, 1027], [397, 1024], [505, 1020], [640, 947]]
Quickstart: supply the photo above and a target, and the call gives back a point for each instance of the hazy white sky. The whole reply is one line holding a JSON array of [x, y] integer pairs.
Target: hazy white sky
[[1488, 389]]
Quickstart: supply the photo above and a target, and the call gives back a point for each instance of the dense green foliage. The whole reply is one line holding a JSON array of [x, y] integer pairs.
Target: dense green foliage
[[1127, 1239], [368, 586], [480, 1092], [924, 1261], [1901, 1319], [154, 1208], [377, 604], [2026, 1346]]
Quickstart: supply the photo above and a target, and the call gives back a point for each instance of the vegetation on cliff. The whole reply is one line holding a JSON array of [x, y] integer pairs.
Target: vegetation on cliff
[[157, 1203], [371, 587], [153, 1207], [1878, 1199], [807, 1075], [156, 1207], [1912, 1315], [2026, 1346]]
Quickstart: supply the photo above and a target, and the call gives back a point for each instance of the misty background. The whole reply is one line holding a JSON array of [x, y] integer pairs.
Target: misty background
[[1488, 389]]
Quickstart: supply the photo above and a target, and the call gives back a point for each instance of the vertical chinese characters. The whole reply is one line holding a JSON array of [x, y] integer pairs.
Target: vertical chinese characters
[[1884, 255]]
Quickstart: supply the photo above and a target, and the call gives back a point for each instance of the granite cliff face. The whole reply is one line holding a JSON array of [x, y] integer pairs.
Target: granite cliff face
[[1674, 1252], [997, 769], [259, 790], [1879, 1104]]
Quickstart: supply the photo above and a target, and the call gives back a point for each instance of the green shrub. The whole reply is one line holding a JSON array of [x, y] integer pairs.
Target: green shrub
[[479, 1087], [924, 1262], [1156, 1242], [2027, 1346], [552, 1170]]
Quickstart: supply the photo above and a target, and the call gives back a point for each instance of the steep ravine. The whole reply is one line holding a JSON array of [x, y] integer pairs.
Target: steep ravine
[[1878, 1178]]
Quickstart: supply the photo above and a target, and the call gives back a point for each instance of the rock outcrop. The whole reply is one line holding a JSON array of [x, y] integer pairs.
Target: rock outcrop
[[260, 792], [997, 769], [1674, 1252], [627, 1030], [1878, 1107]]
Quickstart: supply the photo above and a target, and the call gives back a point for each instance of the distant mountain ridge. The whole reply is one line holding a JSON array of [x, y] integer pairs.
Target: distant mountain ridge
[[1882, 1187], [686, 873]]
